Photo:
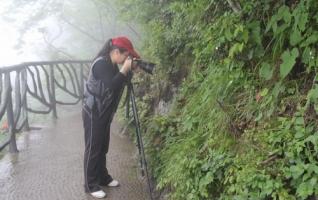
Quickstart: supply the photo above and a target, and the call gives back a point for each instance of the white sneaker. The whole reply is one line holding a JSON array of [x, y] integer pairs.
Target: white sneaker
[[114, 183], [99, 194]]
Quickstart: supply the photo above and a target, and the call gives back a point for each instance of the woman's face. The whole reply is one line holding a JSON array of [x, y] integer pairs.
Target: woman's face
[[121, 57]]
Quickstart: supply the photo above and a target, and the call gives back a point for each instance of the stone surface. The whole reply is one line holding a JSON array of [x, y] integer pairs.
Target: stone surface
[[49, 165]]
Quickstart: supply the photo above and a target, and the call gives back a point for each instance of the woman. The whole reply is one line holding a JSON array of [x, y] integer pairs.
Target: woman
[[103, 91]]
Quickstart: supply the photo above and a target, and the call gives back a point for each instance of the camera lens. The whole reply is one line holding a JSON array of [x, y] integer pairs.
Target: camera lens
[[146, 66]]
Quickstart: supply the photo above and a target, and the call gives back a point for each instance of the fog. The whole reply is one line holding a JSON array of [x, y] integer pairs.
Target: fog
[[43, 30]]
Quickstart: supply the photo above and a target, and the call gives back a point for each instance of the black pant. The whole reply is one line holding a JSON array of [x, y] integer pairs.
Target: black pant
[[97, 135]]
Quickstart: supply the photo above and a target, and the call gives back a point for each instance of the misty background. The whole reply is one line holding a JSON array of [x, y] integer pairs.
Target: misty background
[[45, 30]]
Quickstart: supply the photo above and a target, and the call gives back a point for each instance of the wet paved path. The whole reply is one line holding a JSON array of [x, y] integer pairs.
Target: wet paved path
[[49, 165]]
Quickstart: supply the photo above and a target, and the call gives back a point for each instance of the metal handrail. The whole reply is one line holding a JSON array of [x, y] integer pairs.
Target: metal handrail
[[39, 80]]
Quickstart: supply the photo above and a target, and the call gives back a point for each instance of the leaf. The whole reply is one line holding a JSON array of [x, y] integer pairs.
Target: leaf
[[238, 29], [313, 38], [266, 71], [299, 135], [256, 32], [300, 14], [228, 34], [286, 14], [296, 171], [264, 92], [303, 21], [289, 60], [259, 117], [270, 24], [313, 181], [304, 190], [299, 121], [295, 37], [245, 36], [277, 89], [314, 140], [306, 55], [313, 93], [236, 48]]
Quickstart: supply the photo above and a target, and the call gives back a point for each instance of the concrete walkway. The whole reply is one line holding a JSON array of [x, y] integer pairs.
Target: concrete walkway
[[49, 165]]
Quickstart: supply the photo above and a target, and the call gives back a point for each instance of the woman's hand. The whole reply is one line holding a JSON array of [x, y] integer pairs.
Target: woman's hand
[[126, 66], [134, 66], [129, 65]]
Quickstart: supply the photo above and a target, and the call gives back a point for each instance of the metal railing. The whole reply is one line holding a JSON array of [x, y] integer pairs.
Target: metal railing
[[40, 82]]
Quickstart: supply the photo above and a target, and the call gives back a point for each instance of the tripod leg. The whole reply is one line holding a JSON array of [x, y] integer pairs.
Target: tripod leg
[[139, 139], [127, 109]]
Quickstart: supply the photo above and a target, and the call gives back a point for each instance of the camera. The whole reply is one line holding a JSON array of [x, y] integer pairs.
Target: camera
[[144, 65]]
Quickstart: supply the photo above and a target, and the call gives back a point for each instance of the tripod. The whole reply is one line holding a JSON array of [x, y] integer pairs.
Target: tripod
[[142, 158]]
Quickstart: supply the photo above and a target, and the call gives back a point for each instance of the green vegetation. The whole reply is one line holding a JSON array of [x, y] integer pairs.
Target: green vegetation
[[243, 123]]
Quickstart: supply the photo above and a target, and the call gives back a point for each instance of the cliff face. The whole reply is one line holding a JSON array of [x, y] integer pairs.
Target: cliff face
[[231, 112]]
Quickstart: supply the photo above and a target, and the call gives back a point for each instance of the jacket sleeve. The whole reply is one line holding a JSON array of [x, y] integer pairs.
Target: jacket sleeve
[[111, 77]]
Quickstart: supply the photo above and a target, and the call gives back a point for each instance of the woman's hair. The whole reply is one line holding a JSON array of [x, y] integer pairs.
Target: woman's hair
[[107, 48]]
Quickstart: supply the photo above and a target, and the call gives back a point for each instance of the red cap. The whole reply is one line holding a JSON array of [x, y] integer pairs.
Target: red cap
[[124, 42]]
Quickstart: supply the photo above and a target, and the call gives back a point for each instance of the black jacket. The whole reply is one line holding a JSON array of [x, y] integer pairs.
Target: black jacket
[[103, 88]]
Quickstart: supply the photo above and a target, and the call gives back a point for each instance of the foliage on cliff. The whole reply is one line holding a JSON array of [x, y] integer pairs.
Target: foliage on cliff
[[243, 123]]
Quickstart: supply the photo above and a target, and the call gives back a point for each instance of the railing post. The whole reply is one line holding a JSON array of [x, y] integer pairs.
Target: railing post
[[13, 145], [52, 94], [24, 99], [82, 81]]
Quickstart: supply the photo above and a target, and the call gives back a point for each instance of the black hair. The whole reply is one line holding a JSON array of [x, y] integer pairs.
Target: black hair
[[107, 48]]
